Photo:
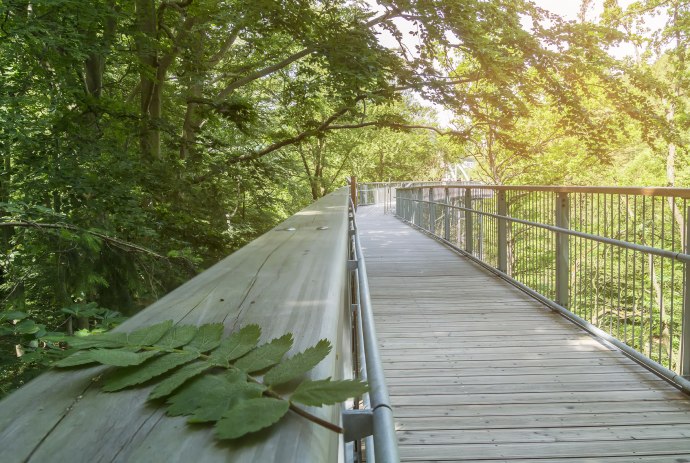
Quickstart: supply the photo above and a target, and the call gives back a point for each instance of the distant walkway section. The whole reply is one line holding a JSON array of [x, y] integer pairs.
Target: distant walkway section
[[479, 371]]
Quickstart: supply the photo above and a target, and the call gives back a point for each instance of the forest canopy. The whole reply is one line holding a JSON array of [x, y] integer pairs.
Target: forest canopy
[[144, 140]]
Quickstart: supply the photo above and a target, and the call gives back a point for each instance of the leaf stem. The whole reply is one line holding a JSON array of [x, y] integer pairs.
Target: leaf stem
[[303, 413], [315, 419]]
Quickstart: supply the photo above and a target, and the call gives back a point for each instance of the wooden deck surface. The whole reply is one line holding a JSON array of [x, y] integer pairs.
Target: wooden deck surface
[[479, 371]]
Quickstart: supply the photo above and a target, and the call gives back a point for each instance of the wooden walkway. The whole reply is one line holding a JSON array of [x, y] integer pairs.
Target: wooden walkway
[[479, 371]]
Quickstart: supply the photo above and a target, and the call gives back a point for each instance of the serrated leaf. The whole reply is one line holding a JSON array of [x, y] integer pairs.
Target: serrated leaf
[[114, 357], [211, 395], [237, 345], [76, 359], [177, 336], [120, 358], [327, 392], [131, 376], [177, 379], [207, 337], [148, 335], [265, 355], [250, 416], [236, 391], [96, 340], [298, 365]]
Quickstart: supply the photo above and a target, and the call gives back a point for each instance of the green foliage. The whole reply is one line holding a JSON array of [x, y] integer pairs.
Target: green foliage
[[211, 379]]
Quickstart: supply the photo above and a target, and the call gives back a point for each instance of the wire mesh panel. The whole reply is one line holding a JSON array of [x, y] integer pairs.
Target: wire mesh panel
[[532, 250], [636, 296]]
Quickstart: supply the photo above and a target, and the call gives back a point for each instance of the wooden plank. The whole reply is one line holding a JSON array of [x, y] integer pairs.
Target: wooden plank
[[588, 434], [527, 410], [555, 450], [536, 397], [414, 423], [529, 379], [416, 390], [284, 281]]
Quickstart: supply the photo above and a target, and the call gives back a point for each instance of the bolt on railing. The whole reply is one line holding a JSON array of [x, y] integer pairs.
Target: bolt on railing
[[616, 259]]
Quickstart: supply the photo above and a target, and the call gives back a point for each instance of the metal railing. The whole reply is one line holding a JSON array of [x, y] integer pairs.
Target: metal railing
[[384, 192], [614, 260], [373, 424]]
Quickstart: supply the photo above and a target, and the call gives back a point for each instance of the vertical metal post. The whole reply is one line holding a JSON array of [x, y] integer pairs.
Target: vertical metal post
[[398, 208], [353, 191], [469, 238], [418, 209], [685, 333], [562, 250], [446, 216], [502, 233], [432, 212]]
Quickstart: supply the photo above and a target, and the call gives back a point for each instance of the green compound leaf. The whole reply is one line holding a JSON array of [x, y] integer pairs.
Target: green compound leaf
[[208, 397], [327, 392], [131, 376], [208, 378], [207, 337], [177, 336], [265, 355], [237, 345], [298, 365], [250, 416], [177, 379]]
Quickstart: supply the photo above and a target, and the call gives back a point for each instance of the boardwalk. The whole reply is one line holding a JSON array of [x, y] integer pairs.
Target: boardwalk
[[478, 371]]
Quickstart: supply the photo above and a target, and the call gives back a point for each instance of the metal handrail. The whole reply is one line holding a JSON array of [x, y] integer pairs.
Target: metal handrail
[[679, 256], [385, 444], [632, 190]]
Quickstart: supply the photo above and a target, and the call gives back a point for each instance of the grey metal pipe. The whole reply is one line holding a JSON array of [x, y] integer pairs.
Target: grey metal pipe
[[369, 441], [602, 239], [671, 376], [385, 440]]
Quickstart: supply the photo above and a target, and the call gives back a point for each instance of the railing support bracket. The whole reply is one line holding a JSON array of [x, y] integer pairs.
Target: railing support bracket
[[358, 424]]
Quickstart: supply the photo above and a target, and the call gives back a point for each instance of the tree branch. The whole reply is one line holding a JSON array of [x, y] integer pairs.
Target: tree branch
[[124, 245], [234, 85], [394, 125]]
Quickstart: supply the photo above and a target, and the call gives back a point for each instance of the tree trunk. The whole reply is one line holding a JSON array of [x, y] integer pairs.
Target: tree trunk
[[150, 103]]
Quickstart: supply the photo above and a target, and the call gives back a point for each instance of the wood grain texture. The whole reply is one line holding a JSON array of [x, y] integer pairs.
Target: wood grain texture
[[479, 371], [284, 281]]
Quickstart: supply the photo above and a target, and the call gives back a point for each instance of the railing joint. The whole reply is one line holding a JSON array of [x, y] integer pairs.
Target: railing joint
[[357, 424]]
